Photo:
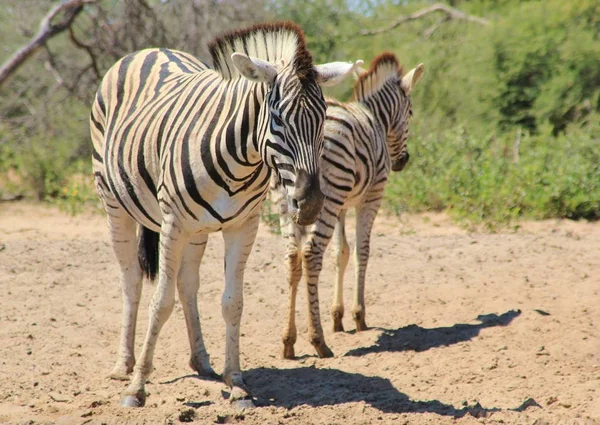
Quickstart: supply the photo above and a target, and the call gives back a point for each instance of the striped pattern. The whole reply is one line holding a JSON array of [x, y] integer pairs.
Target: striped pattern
[[364, 140], [182, 149]]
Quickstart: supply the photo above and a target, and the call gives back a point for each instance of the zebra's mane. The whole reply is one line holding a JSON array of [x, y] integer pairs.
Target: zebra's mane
[[383, 68], [273, 42]]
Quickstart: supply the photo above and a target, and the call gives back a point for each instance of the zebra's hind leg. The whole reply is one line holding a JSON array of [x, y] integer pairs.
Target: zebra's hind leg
[[365, 217], [124, 242], [293, 262], [172, 243], [187, 285], [342, 253], [238, 245]]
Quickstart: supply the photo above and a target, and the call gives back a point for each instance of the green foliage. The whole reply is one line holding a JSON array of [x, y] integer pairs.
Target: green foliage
[[477, 179], [77, 192], [270, 216], [534, 69]]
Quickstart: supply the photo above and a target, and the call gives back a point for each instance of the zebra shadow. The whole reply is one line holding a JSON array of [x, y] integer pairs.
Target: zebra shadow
[[289, 388], [416, 338]]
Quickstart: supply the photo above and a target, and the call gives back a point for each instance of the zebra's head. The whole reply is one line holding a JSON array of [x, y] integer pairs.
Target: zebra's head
[[291, 122], [398, 130], [386, 91]]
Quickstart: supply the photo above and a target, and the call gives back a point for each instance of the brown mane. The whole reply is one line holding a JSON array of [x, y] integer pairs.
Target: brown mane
[[383, 68]]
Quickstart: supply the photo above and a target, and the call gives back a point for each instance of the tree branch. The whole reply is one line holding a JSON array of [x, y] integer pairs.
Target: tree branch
[[88, 49], [69, 9], [451, 13]]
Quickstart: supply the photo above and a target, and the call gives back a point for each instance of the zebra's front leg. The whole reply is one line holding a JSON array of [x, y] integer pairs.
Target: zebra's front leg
[[187, 285], [124, 242], [313, 251], [238, 245], [293, 262], [365, 217], [342, 253], [172, 242]]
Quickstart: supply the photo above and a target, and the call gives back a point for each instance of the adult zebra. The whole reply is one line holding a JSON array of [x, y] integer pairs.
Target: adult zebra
[[363, 140], [184, 150]]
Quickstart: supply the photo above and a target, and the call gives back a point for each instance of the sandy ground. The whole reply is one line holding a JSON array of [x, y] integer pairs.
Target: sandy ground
[[466, 328]]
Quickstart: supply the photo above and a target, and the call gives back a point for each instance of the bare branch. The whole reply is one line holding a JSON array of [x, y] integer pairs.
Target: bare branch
[[451, 13], [69, 10], [50, 65], [429, 31], [88, 49]]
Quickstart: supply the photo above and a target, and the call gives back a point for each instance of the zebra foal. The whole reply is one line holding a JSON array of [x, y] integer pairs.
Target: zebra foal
[[364, 139], [182, 150]]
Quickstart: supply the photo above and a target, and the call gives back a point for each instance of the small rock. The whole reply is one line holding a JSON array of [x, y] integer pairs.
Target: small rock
[[59, 398], [87, 414], [565, 404], [97, 403], [187, 415], [550, 400]]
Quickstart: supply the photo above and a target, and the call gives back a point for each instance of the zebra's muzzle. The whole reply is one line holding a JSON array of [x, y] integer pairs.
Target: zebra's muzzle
[[400, 163], [307, 201]]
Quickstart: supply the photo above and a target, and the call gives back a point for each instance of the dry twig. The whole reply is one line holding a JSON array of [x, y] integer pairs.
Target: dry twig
[[48, 29], [451, 13]]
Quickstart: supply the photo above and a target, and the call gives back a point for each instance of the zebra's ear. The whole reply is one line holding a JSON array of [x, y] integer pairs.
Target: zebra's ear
[[358, 71], [330, 74], [412, 77], [254, 69]]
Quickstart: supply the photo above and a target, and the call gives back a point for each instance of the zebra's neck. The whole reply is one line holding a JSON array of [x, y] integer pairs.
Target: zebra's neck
[[383, 105], [239, 137]]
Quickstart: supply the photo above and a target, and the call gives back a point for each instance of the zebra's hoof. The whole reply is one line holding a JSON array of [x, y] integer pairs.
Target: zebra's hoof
[[210, 374], [323, 351], [289, 352], [121, 372], [205, 372], [338, 326], [361, 325], [133, 401]]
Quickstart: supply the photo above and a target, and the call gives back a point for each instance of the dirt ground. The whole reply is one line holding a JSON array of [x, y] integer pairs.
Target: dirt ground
[[466, 328]]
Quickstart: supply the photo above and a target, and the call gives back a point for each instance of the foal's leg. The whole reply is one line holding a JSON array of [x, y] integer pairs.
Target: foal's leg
[[172, 242], [238, 245], [187, 285], [312, 252], [342, 253], [365, 216], [293, 262], [124, 242]]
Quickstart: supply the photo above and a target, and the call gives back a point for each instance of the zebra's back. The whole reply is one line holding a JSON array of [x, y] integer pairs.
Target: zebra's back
[[355, 157], [153, 122]]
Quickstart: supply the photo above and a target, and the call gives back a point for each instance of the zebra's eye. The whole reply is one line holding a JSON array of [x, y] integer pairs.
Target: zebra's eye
[[277, 120]]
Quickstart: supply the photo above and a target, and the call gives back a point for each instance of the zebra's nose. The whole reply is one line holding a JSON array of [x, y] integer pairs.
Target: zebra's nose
[[308, 198], [400, 163]]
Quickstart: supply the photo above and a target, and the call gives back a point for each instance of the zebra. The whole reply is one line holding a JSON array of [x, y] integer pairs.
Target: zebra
[[363, 140], [181, 150]]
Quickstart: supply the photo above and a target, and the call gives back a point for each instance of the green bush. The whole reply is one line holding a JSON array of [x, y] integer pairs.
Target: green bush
[[477, 179]]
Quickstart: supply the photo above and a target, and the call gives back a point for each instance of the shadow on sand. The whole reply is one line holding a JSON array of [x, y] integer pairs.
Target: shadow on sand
[[416, 338], [327, 387]]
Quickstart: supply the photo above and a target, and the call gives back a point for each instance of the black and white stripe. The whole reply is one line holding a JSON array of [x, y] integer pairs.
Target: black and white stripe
[[364, 140], [182, 150]]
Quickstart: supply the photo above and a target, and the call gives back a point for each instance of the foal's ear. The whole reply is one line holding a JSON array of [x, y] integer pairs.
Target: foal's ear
[[254, 69], [330, 74], [412, 77]]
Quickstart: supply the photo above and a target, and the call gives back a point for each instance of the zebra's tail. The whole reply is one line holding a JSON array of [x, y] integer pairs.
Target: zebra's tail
[[148, 252]]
